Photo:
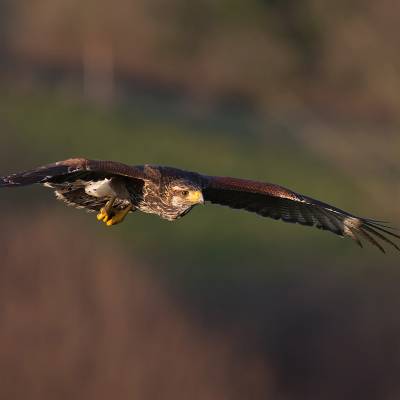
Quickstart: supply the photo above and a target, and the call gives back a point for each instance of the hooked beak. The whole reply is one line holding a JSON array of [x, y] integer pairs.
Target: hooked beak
[[196, 197]]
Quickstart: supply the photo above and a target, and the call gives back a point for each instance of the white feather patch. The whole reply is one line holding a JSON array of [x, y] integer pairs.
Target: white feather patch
[[100, 188]]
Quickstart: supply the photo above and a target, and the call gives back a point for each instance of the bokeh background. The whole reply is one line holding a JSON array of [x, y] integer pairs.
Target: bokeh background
[[221, 304]]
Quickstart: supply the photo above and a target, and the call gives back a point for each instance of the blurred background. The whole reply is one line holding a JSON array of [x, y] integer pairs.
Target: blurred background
[[221, 304]]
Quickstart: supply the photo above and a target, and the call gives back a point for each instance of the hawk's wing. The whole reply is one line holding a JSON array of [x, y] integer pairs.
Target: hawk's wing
[[68, 178], [73, 169], [277, 202]]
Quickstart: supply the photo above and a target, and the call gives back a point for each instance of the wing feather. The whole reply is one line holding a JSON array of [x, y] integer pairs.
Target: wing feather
[[69, 177], [71, 170], [277, 202]]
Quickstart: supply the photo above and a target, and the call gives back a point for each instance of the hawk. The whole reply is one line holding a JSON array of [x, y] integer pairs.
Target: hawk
[[113, 190]]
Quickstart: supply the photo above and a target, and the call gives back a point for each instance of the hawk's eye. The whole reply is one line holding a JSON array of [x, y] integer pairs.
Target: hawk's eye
[[185, 192]]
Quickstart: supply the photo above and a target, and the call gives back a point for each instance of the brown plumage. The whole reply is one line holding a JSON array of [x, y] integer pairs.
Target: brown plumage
[[114, 189]]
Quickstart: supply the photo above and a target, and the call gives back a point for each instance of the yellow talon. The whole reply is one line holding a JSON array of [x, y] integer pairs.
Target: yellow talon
[[119, 216], [106, 218], [105, 212], [101, 215]]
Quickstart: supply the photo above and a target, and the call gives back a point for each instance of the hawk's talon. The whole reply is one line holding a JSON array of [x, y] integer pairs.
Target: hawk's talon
[[118, 216], [102, 215], [106, 212]]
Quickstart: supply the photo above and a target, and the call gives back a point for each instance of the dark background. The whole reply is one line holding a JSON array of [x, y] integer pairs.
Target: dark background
[[221, 304]]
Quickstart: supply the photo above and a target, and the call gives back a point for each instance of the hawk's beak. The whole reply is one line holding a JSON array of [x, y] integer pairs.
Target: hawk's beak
[[196, 197]]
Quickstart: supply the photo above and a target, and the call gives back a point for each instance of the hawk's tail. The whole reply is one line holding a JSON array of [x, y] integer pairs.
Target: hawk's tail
[[37, 175]]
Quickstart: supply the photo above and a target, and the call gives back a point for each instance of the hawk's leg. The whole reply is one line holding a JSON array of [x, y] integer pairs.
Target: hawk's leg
[[106, 212], [119, 216]]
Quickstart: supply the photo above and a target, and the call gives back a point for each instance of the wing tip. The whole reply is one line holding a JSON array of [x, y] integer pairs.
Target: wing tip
[[9, 181], [43, 173], [370, 230]]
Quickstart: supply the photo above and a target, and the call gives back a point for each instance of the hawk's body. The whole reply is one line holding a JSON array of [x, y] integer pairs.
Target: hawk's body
[[150, 194], [114, 189]]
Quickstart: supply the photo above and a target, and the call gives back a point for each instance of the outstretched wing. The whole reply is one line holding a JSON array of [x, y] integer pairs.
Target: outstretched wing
[[277, 202], [72, 169], [69, 177]]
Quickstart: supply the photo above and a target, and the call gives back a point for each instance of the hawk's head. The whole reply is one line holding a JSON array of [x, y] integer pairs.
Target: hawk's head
[[183, 195]]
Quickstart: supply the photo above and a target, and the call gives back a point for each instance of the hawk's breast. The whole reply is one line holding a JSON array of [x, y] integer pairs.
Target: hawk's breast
[[101, 188], [108, 187]]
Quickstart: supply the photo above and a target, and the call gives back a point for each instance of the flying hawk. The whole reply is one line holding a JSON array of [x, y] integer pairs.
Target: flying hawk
[[113, 190]]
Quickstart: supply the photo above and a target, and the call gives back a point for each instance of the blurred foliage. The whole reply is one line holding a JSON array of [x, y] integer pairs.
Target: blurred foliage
[[93, 325], [274, 55]]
